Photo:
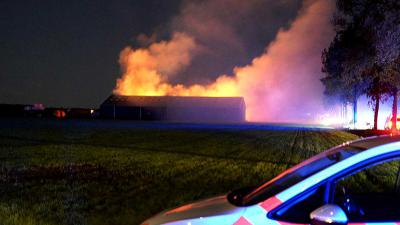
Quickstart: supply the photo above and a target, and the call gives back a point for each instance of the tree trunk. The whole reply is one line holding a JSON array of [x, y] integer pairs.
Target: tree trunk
[[376, 111], [394, 111]]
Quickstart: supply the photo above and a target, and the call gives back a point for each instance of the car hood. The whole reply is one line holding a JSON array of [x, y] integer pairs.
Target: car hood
[[201, 212]]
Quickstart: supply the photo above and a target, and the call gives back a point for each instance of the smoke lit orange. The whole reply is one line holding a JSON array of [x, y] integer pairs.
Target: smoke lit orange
[[146, 71], [280, 85]]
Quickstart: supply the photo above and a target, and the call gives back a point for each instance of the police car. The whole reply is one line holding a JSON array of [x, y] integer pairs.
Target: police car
[[356, 183]]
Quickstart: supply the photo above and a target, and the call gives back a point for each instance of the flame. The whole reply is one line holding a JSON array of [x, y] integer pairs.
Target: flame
[[280, 82], [146, 71]]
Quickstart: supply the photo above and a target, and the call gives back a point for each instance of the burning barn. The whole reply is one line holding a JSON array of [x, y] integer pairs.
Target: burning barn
[[174, 108]]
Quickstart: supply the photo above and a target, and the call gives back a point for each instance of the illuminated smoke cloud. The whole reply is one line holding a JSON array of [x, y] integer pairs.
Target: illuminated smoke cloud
[[281, 85]]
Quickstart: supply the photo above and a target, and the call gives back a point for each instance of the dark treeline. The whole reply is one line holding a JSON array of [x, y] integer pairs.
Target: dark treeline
[[363, 58]]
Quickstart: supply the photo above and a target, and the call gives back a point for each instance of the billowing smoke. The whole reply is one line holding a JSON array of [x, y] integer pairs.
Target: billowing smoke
[[281, 85]]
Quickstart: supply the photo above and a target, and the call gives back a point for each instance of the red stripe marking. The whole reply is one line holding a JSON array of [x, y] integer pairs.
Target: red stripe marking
[[242, 221], [357, 224], [270, 203]]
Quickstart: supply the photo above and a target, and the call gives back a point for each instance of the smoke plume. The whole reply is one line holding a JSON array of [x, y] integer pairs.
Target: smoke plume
[[281, 85]]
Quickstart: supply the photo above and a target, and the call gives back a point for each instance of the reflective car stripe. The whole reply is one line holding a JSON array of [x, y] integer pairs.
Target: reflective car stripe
[[296, 189], [242, 221], [347, 163], [270, 203], [256, 215]]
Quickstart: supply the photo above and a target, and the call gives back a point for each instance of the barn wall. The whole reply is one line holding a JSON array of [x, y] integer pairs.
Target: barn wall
[[120, 112], [205, 114], [174, 109]]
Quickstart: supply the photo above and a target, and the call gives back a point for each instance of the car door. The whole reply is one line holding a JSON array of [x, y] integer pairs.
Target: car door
[[371, 195], [297, 211]]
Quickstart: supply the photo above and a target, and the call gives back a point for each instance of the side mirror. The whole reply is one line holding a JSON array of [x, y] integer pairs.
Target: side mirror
[[329, 214]]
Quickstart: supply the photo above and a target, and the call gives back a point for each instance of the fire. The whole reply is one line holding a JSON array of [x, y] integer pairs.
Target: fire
[[280, 85], [146, 71]]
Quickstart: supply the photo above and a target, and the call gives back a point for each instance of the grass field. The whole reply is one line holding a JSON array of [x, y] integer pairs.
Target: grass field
[[52, 172]]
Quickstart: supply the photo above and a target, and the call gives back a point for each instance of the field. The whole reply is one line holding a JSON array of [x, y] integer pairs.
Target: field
[[116, 172]]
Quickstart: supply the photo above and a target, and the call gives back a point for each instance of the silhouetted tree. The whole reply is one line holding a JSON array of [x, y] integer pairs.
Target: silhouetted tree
[[388, 49], [392, 75], [345, 61], [356, 63], [378, 90]]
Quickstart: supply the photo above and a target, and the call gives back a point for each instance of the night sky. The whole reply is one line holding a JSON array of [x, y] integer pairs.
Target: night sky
[[65, 53]]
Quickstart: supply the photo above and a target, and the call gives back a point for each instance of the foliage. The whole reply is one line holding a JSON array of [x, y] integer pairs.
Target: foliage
[[344, 62], [366, 44]]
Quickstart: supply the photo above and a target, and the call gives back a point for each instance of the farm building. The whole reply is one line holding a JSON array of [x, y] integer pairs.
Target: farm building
[[174, 108]]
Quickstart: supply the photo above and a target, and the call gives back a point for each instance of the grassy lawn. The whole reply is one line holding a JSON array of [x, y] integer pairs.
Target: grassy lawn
[[55, 173]]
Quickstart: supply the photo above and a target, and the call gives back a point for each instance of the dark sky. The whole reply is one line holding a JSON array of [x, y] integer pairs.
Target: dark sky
[[65, 53]]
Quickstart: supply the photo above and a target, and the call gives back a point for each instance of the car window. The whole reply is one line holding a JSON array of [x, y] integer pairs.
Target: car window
[[300, 209], [299, 173], [371, 194]]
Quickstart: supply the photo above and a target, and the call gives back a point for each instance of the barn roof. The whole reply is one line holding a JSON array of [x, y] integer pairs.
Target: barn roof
[[174, 101]]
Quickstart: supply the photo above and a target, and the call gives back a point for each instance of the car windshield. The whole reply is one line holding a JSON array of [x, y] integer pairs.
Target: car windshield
[[298, 173]]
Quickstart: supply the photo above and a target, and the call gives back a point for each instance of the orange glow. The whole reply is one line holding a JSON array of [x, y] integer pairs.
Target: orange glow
[[282, 84], [397, 124], [147, 71], [223, 87], [59, 114]]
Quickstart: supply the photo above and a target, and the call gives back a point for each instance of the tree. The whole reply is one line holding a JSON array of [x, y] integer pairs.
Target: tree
[[388, 50], [338, 87], [378, 90], [392, 74], [360, 58], [344, 63]]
